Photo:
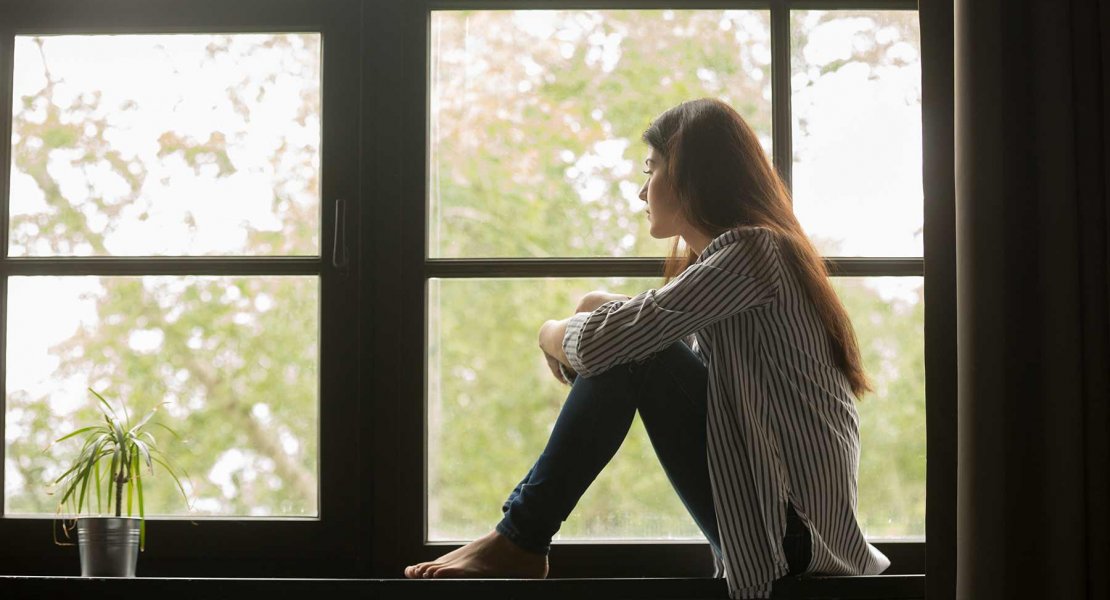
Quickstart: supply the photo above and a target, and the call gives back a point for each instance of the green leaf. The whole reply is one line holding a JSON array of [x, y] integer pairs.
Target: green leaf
[[131, 466], [144, 451], [142, 512], [172, 432], [75, 433], [145, 419], [112, 480], [83, 476], [105, 403], [98, 507], [76, 465], [119, 433], [126, 416], [170, 470]]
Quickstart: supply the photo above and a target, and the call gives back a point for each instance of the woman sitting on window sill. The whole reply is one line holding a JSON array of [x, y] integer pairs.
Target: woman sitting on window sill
[[744, 368]]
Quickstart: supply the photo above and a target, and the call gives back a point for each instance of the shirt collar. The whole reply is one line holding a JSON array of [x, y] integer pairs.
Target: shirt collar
[[719, 242]]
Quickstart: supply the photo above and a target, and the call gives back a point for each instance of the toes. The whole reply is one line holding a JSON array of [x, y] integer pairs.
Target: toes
[[446, 572], [416, 571]]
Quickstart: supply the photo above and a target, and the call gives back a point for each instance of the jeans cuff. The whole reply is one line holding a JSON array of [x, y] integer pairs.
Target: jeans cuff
[[506, 529]]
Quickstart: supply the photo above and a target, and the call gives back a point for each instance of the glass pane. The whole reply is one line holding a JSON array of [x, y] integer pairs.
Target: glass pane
[[856, 105], [492, 403], [889, 317], [137, 145], [536, 119], [235, 358]]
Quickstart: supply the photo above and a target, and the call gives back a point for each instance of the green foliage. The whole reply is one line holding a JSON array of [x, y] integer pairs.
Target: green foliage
[[892, 417], [212, 151], [492, 403], [501, 188], [126, 448], [238, 356]]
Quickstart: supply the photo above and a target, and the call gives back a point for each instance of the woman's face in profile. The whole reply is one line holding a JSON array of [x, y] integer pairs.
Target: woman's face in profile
[[662, 203]]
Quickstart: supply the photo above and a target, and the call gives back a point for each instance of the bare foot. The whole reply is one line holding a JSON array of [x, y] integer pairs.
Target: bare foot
[[490, 556]]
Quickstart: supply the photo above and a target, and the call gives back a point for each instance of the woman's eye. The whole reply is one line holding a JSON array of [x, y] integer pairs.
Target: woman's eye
[[647, 172]]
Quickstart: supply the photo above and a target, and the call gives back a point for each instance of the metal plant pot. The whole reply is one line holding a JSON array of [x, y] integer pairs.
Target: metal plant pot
[[109, 546]]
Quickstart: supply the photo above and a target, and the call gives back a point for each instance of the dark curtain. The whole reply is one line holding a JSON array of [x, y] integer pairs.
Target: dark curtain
[[1032, 85]]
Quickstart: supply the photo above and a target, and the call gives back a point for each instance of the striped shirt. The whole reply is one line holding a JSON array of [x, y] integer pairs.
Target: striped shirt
[[782, 422]]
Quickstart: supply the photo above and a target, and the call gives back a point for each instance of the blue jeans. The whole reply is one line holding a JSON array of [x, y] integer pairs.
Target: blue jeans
[[669, 390]]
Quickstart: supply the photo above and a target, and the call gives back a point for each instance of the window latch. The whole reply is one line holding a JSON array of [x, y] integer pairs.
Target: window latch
[[339, 257]]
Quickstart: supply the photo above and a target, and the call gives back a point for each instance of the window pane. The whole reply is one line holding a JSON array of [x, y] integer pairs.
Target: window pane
[[236, 358], [856, 105], [889, 317], [492, 403], [536, 119], [134, 145]]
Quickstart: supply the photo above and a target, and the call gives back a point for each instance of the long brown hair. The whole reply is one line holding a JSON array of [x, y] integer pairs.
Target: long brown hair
[[723, 180]]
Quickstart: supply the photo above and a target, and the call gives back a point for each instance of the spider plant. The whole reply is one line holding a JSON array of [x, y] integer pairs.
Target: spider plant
[[112, 457]]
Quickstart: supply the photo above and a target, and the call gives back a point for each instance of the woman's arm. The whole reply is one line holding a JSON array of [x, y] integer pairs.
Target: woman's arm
[[738, 277], [552, 333]]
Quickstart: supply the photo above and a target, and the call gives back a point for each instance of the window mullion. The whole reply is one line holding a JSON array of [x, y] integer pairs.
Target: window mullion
[[110, 266], [781, 126], [7, 56], [7, 51], [639, 267]]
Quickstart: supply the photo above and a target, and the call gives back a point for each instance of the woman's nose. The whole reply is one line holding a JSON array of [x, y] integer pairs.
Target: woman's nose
[[643, 193]]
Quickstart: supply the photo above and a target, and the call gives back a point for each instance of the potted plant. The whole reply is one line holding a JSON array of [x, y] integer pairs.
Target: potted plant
[[111, 460]]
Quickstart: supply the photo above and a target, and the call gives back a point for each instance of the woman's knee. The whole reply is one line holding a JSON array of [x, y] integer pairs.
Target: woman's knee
[[675, 362], [673, 375], [676, 358]]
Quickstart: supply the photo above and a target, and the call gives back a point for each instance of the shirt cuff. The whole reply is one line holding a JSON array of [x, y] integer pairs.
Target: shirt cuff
[[568, 374], [571, 339]]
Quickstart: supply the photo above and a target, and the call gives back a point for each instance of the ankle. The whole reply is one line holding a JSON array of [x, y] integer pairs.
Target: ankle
[[516, 548]]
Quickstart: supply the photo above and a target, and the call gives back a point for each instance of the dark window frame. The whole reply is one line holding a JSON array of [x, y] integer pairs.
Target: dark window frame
[[375, 527], [226, 546], [406, 538]]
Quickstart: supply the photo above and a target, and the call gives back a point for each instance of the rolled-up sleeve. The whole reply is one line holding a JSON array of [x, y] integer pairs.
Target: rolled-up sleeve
[[624, 331]]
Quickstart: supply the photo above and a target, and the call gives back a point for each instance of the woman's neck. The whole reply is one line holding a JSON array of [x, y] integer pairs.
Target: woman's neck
[[696, 240]]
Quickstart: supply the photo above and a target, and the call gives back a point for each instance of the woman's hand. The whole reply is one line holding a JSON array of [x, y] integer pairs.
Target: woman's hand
[[551, 340], [554, 365], [551, 343], [592, 300]]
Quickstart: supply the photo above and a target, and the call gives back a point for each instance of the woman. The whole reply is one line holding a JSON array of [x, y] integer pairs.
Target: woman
[[754, 421]]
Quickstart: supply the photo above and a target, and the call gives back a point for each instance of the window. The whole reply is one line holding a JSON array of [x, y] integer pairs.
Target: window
[[281, 216], [171, 213], [533, 158]]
